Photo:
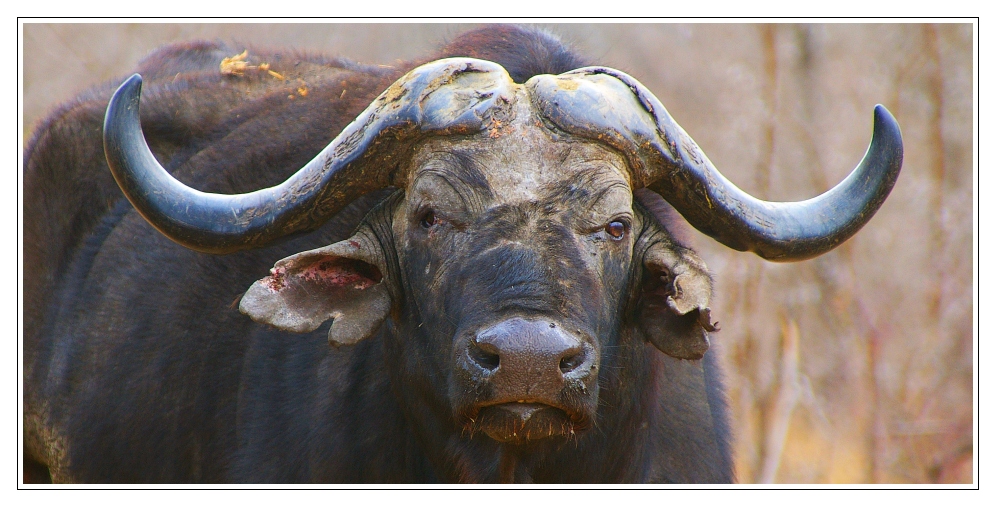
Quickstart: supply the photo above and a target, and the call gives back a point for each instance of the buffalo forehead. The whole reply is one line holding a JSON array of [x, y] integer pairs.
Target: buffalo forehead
[[524, 162]]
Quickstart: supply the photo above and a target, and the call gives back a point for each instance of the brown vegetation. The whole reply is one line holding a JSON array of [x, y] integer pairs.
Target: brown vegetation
[[854, 367]]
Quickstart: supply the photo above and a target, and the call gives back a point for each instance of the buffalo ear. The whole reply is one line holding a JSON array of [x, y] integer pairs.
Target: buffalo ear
[[673, 306], [343, 281]]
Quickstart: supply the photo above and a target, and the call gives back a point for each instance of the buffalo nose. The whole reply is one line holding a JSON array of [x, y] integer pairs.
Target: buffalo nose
[[530, 357]]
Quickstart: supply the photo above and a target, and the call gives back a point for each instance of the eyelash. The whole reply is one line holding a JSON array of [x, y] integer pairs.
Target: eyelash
[[620, 226], [428, 219]]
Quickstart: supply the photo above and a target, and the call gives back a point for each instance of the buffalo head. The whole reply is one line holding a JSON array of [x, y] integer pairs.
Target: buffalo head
[[517, 254]]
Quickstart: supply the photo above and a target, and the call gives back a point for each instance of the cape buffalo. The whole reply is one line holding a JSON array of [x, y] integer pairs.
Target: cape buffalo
[[482, 237]]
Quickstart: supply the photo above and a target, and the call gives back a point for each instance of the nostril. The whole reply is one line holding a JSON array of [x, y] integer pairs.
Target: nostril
[[571, 362], [484, 358]]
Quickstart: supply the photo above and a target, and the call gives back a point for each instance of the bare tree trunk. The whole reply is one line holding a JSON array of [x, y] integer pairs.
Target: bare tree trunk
[[766, 161], [787, 397], [878, 436], [938, 169]]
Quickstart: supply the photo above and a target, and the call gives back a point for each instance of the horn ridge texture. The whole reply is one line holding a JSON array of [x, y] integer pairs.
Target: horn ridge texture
[[449, 96], [610, 106], [459, 96], [788, 231]]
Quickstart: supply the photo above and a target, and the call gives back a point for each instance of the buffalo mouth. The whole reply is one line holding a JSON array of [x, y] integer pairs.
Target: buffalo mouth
[[520, 423]]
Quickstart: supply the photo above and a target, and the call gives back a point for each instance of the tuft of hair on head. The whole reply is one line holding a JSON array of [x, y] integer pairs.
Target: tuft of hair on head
[[523, 51], [666, 215]]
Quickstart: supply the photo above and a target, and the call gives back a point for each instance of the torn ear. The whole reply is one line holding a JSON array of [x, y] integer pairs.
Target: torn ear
[[343, 281], [673, 308]]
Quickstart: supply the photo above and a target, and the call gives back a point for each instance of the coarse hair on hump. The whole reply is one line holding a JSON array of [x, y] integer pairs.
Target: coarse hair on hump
[[522, 50]]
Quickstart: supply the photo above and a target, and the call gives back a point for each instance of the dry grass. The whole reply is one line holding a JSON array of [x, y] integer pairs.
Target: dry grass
[[855, 367]]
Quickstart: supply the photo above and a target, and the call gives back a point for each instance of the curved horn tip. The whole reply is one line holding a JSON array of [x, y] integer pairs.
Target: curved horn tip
[[887, 139], [131, 86], [880, 112], [885, 120], [134, 78], [125, 96]]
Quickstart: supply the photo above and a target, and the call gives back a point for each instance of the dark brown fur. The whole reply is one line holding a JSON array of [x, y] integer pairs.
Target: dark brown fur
[[136, 367]]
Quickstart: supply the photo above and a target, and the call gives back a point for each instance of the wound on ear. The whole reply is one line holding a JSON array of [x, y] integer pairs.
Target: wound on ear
[[329, 272], [307, 289]]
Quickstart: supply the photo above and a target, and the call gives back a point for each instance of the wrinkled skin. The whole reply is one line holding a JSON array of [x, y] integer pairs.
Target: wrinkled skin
[[139, 368], [531, 244], [513, 269]]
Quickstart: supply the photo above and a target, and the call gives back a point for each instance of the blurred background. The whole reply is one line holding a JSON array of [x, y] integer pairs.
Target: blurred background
[[855, 367]]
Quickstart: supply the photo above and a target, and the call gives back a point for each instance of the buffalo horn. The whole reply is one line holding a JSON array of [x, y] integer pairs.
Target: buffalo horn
[[450, 96], [610, 106]]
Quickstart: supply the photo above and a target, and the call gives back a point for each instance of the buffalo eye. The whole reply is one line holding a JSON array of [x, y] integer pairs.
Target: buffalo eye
[[615, 229], [428, 219]]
